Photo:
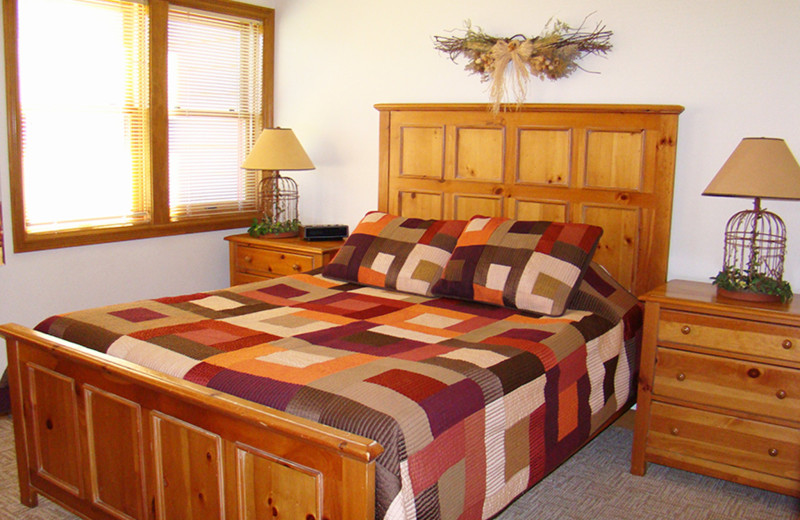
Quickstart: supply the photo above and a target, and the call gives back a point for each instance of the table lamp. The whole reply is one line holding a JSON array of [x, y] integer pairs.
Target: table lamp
[[277, 149], [755, 240]]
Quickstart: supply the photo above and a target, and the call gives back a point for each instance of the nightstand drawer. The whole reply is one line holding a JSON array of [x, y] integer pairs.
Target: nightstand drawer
[[253, 259], [766, 448], [753, 388], [271, 262], [730, 335]]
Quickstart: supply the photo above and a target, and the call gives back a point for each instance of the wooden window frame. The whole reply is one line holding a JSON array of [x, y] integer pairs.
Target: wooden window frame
[[160, 224]]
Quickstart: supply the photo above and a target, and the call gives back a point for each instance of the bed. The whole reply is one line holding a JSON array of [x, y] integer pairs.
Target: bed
[[276, 399]]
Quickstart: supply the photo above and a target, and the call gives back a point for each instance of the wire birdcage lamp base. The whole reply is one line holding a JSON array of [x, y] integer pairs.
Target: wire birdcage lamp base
[[755, 247], [277, 204]]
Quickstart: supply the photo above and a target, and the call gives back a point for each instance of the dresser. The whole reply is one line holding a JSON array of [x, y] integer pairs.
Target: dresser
[[254, 259], [719, 387]]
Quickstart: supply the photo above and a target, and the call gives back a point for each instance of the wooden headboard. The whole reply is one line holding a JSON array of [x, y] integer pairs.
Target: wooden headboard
[[608, 165]]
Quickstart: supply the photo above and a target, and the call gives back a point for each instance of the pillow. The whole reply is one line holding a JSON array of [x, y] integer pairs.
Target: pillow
[[527, 265], [400, 253], [599, 293]]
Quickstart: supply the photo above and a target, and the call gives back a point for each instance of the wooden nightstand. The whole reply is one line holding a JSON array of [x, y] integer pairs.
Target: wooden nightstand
[[254, 259], [719, 387]]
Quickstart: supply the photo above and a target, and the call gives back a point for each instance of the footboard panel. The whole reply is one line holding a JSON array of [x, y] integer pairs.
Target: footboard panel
[[108, 439]]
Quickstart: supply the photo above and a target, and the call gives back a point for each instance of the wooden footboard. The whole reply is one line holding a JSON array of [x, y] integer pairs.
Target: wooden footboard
[[109, 439]]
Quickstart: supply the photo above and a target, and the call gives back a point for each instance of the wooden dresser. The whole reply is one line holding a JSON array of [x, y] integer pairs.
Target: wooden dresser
[[254, 259], [719, 387]]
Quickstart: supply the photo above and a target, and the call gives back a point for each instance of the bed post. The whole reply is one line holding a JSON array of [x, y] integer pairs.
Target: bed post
[[383, 164], [28, 497]]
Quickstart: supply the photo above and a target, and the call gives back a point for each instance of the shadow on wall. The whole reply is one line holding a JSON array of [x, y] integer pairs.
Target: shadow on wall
[[5, 399], [2, 257]]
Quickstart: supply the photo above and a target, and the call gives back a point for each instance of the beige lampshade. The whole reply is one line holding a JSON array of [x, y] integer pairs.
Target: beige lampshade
[[759, 167], [277, 149]]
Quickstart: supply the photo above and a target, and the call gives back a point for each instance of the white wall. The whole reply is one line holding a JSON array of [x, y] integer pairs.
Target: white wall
[[732, 64]]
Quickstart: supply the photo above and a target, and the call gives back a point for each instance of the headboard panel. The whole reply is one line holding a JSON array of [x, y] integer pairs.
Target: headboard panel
[[609, 165]]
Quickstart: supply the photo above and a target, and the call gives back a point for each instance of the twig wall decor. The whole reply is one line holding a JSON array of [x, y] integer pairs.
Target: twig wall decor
[[552, 55]]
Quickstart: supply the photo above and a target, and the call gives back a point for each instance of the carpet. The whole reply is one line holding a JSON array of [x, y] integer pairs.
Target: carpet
[[595, 484]]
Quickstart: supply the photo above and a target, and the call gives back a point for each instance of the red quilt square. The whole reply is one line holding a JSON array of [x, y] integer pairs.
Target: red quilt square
[[414, 386], [138, 314], [282, 290]]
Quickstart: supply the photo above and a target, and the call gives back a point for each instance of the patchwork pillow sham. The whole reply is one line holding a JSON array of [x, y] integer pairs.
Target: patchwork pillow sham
[[534, 266], [400, 253], [599, 293]]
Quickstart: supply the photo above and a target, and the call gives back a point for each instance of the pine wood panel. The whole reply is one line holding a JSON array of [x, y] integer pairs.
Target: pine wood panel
[[116, 459], [189, 470], [539, 210], [618, 246], [422, 152], [615, 160], [480, 154], [465, 206], [276, 487], [545, 156], [425, 205], [55, 428], [609, 165]]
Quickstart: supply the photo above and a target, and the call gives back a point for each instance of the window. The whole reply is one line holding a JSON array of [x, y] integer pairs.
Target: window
[[132, 117]]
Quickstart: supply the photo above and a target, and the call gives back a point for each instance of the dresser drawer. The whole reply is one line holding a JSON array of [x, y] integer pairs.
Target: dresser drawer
[[761, 447], [271, 262], [730, 335], [754, 388]]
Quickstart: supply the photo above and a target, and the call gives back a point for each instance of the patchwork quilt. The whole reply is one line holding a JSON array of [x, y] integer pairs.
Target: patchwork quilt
[[472, 403]]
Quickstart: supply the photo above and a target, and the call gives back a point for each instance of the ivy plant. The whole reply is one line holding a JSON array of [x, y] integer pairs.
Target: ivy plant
[[734, 279], [269, 226]]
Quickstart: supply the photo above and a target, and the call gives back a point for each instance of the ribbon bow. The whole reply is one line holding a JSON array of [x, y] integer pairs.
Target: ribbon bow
[[503, 53]]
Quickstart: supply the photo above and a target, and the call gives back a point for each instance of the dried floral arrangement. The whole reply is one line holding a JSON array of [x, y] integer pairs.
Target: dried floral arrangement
[[552, 55]]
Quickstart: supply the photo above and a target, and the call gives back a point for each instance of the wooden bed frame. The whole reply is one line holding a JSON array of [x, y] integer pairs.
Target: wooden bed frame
[[109, 439]]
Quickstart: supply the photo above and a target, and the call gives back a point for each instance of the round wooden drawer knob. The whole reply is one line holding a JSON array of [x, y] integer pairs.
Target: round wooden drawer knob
[[787, 344], [296, 267], [248, 259], [773, 452], [754, 373], [686, 329], [780, 394], [674, 430], [681, 376]]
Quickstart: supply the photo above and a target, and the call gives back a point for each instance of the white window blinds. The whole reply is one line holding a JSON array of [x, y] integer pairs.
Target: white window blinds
[[131, 118], [84, 101], [215, 111]]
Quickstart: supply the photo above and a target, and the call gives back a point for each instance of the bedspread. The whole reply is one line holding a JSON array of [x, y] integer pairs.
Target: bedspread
[[472, 404]]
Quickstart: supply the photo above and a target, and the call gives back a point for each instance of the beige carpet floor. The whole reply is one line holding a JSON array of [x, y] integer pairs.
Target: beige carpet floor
[[593, 485]]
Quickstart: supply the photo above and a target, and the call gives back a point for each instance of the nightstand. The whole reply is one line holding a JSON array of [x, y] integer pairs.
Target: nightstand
[[254, 259], [719, 387]]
